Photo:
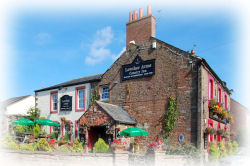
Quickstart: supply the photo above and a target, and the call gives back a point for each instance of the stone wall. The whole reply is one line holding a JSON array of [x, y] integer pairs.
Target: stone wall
[[146, 99]]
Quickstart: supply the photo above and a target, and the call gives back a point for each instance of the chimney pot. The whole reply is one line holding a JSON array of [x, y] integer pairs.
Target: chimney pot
[[140, 13], [130, 16], [149, 10], [135, 14]]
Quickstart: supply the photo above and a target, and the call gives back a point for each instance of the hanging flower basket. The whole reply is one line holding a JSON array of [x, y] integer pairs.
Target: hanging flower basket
[[209, 130], [220, 132]]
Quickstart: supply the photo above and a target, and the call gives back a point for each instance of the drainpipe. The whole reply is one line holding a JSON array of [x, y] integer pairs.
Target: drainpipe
[[199, 109]]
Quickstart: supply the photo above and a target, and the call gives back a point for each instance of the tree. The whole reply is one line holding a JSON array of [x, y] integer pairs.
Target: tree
[[34, 114]]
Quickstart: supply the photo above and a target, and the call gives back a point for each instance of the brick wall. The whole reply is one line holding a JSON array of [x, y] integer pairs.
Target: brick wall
[[146, 99]]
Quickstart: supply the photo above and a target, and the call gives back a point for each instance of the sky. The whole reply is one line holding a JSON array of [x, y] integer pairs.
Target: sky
[[53, 46]]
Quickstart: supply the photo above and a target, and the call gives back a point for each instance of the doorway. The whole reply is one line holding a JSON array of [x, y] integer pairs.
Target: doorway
[[95, 133]]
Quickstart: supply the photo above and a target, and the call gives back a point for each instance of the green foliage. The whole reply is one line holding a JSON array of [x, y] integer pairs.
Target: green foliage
[[184, 149], [19, 128], [65, 149], [13, 145], [42, 145], [36, 130], [101, 147], [28, 129], [222, 150], [235, 147], [77, 146], [53, 135], [43, 132], [213, 152], [66, 138], [28, 147], [229, 148], [94, 96], [34, 114], [171, 116]]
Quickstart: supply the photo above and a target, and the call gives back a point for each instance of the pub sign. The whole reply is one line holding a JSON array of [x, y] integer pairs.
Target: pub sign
[[66, 103], [138, 68]]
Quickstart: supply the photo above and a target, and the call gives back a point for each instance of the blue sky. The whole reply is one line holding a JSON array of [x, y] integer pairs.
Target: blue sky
[[53, 47]]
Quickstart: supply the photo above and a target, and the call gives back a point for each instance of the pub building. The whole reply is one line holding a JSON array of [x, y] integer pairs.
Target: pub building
[[135, 91], [65, 103]]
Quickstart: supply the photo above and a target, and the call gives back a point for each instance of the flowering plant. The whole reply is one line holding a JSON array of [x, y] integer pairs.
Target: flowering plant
[[157, 144]]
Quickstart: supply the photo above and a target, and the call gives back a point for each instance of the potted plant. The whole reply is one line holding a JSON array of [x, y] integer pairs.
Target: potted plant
[[209, 130], [220, 132]]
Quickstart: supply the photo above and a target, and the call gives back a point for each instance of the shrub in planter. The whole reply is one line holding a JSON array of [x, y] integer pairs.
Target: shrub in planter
[[213, 152], [28, 147], [229, 148], [42, 145], [77, 146], [66, 138], [235, 147], [13, 145], [36, 131], [222, 150], [101, 147]]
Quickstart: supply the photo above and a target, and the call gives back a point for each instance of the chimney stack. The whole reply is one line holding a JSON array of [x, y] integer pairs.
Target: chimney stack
[[141, 28]]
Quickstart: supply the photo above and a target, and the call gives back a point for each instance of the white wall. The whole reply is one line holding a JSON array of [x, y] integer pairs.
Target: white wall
[[21, 107], [43, 103]]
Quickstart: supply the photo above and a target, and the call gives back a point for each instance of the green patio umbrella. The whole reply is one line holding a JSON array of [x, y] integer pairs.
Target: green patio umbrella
[[22, 121], [133, 131], [47, 122]]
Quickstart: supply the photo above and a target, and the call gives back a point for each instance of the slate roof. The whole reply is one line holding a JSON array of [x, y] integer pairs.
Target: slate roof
[[77, 81], [12, 100], [117, 113]]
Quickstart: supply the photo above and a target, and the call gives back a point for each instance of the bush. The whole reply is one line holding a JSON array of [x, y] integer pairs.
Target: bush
[[213, 152], [66, 138], [100, 146], [65, 149], [42, 145], [222, 150], [28, 147], [234, 147], [229, 148], [36, 130], [13, 145], [77, 146], [186, 149], [53, 135], [19, 128]]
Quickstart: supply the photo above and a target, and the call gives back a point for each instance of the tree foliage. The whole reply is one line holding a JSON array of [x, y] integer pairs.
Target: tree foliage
[[171, 116], [34, 114]]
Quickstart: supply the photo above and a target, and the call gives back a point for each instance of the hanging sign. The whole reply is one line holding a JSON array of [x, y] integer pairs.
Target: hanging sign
[[138, 68], [66, 103]]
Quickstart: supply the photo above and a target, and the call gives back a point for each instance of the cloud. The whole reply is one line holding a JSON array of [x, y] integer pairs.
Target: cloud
[[42, 38], [98, 48], [114, 57]]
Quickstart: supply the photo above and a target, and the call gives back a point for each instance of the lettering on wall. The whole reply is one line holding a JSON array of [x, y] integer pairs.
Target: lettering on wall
[[66, 103], [138, 68]]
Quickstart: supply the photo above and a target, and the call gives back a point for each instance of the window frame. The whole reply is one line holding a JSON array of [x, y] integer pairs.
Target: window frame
[[52, 111], [77, 109], [219, 97], [225, 101], [101, 90], [210, 87]]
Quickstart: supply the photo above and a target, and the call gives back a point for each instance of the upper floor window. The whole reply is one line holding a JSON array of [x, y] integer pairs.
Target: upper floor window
[[80, 98], [219, 95], [210, 89], [54, 102], [104, 93], [225, 98]]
